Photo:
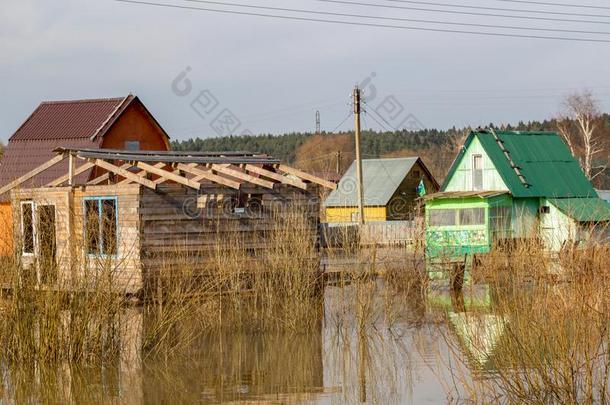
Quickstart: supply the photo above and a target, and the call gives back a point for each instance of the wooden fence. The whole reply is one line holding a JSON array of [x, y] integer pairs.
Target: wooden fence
[[388, 233]]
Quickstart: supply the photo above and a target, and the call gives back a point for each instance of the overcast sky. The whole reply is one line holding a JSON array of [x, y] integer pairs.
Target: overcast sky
[[273, 74]]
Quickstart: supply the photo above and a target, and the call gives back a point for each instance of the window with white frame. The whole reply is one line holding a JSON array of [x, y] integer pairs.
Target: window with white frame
[[101, 225], [477, 172], [38, 229]]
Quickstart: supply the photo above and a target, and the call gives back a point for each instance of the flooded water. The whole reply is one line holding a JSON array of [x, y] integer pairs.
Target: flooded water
[[389, 348]]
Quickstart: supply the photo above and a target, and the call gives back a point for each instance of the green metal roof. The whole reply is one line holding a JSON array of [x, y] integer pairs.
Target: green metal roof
[[380, 177], [548, 168], [583, 209]]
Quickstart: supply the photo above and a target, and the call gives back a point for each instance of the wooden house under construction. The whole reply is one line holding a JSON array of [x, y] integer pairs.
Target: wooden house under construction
[[144, 209], [109, 123]]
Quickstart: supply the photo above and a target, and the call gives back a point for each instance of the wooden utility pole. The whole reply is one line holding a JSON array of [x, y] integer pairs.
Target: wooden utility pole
[[338, 167], [359, 187]]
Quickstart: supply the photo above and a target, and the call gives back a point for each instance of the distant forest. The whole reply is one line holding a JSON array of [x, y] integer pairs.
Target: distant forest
[[319, 153]]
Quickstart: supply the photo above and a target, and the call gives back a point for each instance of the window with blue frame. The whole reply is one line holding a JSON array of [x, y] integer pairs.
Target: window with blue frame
[[101, 225]]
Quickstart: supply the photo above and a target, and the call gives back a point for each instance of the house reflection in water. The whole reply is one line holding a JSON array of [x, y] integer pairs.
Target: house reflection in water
[[219, 368], [235, 367], [476, 328]]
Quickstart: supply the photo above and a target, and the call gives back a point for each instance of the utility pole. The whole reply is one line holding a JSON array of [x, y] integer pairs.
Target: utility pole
[[318, 131], [359, 188], [338, 168]]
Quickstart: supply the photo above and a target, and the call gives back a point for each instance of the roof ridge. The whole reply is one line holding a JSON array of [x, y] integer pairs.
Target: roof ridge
[[486, 131], [81, 101], [392, 158], [113, 115]]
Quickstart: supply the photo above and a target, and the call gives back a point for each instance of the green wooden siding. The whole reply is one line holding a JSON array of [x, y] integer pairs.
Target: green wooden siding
[[458, 240], [462, 177]]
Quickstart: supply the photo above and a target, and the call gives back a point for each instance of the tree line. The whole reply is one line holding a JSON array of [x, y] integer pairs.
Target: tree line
[[334, 152]]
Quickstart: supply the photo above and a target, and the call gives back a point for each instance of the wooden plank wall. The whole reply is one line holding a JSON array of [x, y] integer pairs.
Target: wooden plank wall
[[160, 228], [387, 233], [75, 267], [126, 267], [178, 222], [60, 198]]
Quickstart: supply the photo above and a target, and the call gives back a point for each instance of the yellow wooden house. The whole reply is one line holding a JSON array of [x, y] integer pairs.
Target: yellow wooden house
[[391, 188]]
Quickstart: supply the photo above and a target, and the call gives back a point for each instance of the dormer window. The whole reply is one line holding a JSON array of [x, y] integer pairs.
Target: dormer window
[[477, 172]]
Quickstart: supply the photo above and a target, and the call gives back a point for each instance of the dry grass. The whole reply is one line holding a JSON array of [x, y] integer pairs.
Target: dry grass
[[554, 316], [546, 332]]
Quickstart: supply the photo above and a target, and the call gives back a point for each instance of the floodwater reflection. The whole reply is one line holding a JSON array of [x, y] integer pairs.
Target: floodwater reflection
[[372, 344]]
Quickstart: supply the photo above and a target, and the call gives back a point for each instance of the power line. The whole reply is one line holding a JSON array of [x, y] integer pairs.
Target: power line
[[542, 3], [379, 123], [343, 122], [522, 17], [335, 14], [515, 10], [363, 24]]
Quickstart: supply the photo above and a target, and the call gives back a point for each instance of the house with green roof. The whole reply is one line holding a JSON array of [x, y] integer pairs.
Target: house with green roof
[[506, 186], [390, 189]]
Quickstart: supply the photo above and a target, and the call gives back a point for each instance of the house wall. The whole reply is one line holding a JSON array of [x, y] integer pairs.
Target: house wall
[[135, 125], [60, 198], [125, 266], [6, 227], [457, 240], [462, 178], [525, 221], [75, 266], [403, 202], [180, 224], [346, 214], [556, 228]]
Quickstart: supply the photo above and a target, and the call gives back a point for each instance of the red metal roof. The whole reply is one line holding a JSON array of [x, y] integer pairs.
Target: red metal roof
[[71, 124], [79, 119], [21, 157]]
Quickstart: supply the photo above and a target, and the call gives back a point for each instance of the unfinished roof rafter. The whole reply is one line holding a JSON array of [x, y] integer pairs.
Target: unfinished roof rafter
[[141, 173], [238, 171]]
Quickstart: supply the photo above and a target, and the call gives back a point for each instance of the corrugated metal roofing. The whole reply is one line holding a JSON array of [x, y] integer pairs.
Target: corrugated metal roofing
[[76, 124], [69, 119], [380, 177], [583, 209], [22, 156], [173, 157], [548, 167]]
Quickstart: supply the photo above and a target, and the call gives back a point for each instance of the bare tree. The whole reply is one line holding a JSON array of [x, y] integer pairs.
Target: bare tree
[[578, 124]]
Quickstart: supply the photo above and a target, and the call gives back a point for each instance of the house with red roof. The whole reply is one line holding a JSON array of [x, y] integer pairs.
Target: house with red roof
[[109, 123]]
